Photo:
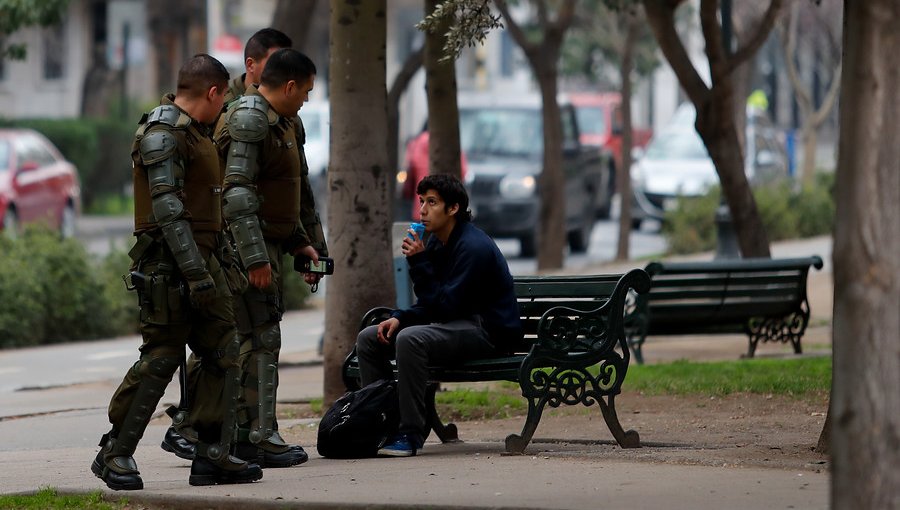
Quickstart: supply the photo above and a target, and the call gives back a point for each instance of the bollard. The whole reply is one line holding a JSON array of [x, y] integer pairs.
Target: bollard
[[726, 240]]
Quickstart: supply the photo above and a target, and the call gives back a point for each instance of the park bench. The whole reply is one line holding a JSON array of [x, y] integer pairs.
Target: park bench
[[574, 351], [762, 298]]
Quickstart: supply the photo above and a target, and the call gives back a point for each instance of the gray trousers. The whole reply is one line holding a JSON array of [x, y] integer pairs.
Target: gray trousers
[[415, 349]]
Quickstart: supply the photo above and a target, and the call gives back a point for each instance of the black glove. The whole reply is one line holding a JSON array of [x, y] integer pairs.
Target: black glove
[[202, 291]]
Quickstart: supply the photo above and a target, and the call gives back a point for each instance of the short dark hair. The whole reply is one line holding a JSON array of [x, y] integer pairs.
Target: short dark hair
[[199, 74], [262, 41], [287, 64], [450, 190]]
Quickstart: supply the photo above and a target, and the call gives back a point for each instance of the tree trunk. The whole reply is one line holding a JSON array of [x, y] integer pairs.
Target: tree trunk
[[716, 119], [359, 215], [543, 57], [410, 66], [294, 18], [809, 136], [623, 176], [866, 382], [721, 138], [552, 218], [443, 112]]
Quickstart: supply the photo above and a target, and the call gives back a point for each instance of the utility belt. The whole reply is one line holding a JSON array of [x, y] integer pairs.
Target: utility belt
[[162, 290]]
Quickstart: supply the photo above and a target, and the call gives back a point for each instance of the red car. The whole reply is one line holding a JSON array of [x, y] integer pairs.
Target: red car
[[36, 184]]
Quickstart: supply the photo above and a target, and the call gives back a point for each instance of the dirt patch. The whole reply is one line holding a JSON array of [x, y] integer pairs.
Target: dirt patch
[[737, 430]]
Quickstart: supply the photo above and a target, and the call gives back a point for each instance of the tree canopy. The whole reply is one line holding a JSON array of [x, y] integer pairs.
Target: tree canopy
[[18, 14]]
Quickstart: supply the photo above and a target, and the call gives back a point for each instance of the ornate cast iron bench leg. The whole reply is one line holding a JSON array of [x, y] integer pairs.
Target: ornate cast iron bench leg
[[516, 443], [625, 438], [446, 433]]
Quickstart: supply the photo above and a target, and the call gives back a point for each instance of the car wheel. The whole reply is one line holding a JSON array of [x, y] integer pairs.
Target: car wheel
[[528, 246], [10, 224], [580, 239], [67, 222]]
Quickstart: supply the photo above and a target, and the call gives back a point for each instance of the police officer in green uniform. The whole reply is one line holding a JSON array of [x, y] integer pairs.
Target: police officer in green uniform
[[264, 170], [185, 279], [180, 437]]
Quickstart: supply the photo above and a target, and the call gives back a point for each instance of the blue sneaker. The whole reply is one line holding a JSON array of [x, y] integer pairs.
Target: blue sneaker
[[400, 445]]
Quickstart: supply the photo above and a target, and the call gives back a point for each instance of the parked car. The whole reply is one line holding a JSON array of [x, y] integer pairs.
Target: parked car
[[600, 125], [676, 163], [503, 142], [36, 184], [317, 123]]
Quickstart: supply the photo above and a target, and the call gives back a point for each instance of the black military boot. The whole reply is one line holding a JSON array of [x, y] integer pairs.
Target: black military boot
[[121, 473], [206, 471], [174, 442]]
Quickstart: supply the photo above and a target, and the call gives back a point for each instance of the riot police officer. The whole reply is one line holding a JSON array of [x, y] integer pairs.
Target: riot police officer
[[185, 279], [180, 437], [264, 175]]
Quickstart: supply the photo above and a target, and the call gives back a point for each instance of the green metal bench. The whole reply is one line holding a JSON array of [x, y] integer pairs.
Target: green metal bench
[[574, 351], [762, 298]]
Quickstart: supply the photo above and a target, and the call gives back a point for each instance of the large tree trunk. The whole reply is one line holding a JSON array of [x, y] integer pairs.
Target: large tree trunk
[[543, 57], [716, 112], [623, 176], [359, 215], [443, 112], [866, 382]]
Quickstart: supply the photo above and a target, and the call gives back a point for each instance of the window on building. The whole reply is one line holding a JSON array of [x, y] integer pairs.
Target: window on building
[[54, 52]]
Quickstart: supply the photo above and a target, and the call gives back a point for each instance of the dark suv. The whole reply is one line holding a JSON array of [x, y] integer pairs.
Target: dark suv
[[503, 142]]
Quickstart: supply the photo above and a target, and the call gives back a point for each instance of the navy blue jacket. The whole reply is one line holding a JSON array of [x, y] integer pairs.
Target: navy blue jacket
[[467, 276]]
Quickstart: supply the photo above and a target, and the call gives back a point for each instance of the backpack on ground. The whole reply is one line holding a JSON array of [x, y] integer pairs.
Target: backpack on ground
[[360, 422]]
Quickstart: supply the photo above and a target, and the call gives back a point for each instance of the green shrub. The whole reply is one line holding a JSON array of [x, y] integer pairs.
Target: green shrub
[[296, 291], [691, 227], [814, 206], [53, 292], [22, 312], [786, 213]]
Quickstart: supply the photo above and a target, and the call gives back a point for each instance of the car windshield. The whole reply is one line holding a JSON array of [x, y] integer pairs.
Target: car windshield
[[509, 132], [677, 144], [4, 155], [590, 120]]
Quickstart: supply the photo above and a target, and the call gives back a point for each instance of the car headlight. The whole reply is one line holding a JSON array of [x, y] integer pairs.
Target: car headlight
[[517, 186]]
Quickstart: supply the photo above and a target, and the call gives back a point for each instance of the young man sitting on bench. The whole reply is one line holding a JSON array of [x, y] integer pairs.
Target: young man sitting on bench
[[466, 308]]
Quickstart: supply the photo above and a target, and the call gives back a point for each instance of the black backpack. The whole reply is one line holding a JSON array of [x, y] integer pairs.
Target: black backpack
[[360, 422]]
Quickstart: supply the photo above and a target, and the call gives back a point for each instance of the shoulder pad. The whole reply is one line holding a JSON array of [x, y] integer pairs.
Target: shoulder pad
[[157, 145], [249, 121], [169, 115]]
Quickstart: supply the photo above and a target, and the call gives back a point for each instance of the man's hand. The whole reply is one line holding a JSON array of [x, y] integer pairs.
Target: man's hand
[[412, 246], [202, 292], [309, 251], [260, 276], [313, 255], [387, 330]]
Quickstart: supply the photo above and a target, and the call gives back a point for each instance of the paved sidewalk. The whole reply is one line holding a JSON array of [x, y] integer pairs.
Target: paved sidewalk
[[470, 475]]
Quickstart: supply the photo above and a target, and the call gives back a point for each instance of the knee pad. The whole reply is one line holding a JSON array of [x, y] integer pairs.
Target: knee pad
[[270, 338], [162, 367]]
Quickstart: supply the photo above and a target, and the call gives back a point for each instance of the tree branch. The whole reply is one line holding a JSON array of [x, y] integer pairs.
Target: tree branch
[[762, 33], [712, 33], [518, 34], [409, 69], [661, 17], [789, 37], [830, 98]]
